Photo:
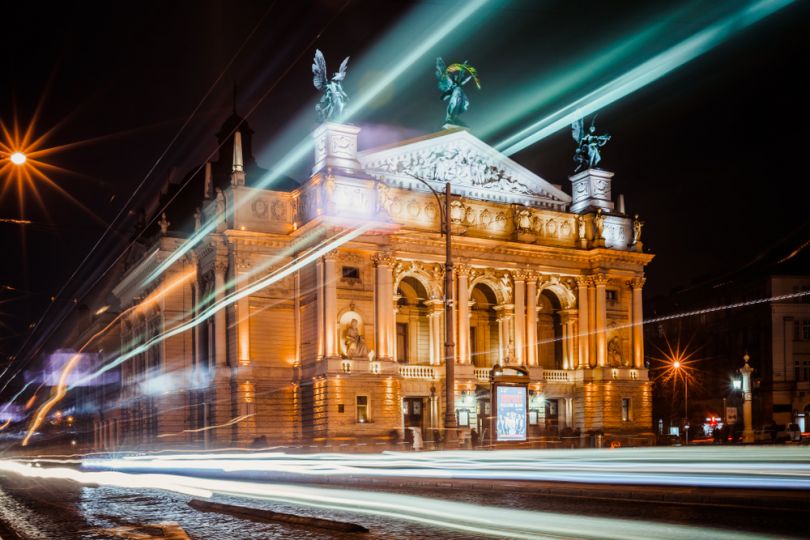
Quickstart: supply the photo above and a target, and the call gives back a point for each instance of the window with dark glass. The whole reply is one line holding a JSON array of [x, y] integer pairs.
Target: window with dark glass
[[362, 409]]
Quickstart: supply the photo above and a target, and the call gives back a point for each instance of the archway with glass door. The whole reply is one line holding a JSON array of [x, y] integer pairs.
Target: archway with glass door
[[412, 324], [549, 331], [484, 332]]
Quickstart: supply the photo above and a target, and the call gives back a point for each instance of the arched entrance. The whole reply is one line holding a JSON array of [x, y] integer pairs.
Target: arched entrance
[[484, 336], [549, 331], [412, 324]]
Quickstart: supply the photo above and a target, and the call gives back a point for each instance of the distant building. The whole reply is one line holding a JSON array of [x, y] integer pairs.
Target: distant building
[[763, 310], [348, 347]]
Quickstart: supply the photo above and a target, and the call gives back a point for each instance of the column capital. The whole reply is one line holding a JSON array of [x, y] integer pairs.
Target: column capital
[[221, 265], [583, 282], [330, 255], [383, 258], [462, 269], [520, 274], [600, 280], [637, 282]]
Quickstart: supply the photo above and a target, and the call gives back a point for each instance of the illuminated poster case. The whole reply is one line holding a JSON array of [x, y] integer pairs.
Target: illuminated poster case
[[511, 413]]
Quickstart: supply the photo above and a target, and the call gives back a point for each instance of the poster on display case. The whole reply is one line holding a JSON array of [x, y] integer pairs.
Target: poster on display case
[[511, 413]]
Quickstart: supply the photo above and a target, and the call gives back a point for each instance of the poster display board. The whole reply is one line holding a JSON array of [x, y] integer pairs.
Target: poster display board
[[511, 415]]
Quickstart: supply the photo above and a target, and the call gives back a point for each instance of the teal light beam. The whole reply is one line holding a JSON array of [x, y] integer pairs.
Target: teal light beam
[[300, 150], [646, 73]]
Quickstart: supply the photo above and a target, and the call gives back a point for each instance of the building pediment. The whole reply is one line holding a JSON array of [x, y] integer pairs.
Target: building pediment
[[475, 169]]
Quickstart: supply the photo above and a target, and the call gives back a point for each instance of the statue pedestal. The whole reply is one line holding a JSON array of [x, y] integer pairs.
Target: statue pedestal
[[591, 191], [336, 147]]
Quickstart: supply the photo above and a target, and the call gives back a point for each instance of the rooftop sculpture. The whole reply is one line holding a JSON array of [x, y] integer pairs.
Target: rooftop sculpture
[[334, 99], [451, 80], [588, 144]]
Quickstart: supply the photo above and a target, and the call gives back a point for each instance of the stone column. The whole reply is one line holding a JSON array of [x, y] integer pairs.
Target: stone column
[[394, 311], [383, 310], [505, 334], [531, 319], [220, 323], [319, 290], [519, 277], [435, 307], [462, 301], [198, 333], [601, 281], [330, 305], [564, 337], [242, 317], [582, 300], [572, 332], [591, 323], [638, 323]]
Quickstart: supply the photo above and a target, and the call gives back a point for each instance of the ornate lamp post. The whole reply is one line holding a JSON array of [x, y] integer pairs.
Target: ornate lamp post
[[450, 424], [746, 370]]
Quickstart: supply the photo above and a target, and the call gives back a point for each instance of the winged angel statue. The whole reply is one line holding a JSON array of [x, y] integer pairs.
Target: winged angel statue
[[588, 144], [334, 98], [451, 80]]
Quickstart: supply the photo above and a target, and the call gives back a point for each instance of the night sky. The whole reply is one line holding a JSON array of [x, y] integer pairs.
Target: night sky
[[712, 156]]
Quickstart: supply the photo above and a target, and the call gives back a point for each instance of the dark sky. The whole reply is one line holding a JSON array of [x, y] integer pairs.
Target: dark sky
[[712, 156]]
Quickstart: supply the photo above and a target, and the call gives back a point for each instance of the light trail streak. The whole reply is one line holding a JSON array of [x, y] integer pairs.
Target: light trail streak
[[478, 519], [5, 424], [16, 221], [642, 75], [230, 422], [18, 394], [230, 299], [693, 313], [62, 388], [730, 467]]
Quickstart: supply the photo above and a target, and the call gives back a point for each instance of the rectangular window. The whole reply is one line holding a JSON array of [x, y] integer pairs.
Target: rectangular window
[[626, 410], [806, 329], [801, 367], [402, 342], [611, 295], [362, 409], [350, 272]]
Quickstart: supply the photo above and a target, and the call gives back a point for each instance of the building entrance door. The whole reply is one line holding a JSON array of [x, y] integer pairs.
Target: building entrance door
[[413, 412]]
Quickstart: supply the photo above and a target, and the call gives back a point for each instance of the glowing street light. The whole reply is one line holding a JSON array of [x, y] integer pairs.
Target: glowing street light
[[17, 158]]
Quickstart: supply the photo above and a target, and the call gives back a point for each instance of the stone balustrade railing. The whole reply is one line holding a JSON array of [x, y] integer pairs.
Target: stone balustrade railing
[[482, 373], [418, 372], [557, 375]]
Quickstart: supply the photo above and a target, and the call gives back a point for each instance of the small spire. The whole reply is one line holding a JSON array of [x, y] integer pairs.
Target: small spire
[[238, 165], [208, 189], [238, 169]]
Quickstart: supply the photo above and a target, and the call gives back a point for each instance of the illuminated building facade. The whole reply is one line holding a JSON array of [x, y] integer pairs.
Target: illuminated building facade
[[348, 348]]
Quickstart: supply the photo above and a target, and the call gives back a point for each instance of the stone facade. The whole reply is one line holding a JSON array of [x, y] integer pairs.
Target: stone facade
[[333, 327]]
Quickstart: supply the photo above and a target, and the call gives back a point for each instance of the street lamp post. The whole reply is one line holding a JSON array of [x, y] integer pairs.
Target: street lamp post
[[677, 365], [449, 345]]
